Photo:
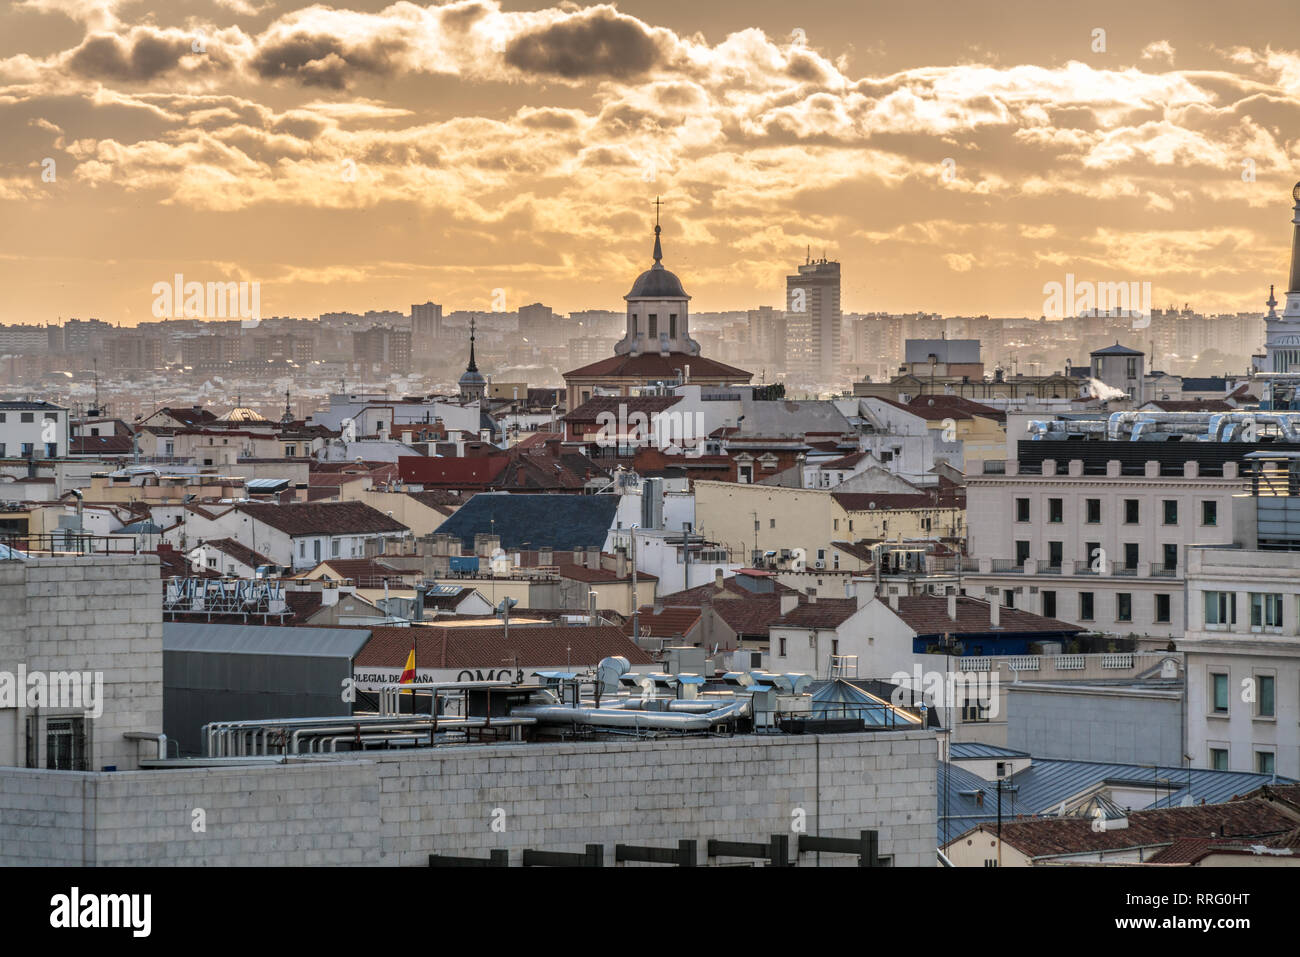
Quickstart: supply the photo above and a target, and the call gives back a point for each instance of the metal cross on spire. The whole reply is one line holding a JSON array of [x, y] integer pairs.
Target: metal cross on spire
[[657, 203]]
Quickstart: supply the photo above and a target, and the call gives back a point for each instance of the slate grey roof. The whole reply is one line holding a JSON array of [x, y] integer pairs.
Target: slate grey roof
[[264, 640], [560, 521], [1040, 789]]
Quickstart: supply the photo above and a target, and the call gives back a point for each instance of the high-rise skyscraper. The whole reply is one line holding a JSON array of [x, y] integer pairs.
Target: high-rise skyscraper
[[813, 323]]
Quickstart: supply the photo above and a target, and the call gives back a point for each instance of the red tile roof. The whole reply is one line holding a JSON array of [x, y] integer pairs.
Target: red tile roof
[[582, 573], [1052, 836], [239, 552], [666, 623], [928, 615], [822, 613], [652, 365], [322, 518], [474, 472], [472, 647], [593, 408]]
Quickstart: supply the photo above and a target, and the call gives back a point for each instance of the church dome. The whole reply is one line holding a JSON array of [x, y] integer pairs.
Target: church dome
[[657, 282]]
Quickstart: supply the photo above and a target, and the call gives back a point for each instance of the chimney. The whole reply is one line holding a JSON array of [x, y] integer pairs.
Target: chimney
[[893, 599], [545, 556], [952, 605], [553, 448], [620, 564], [788, 602], [418, 613], [718, 577], [995, 613], [593, 558]]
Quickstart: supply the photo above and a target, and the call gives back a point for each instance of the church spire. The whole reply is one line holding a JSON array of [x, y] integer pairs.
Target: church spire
[[1271, 302], [473, 366], [659, 252]]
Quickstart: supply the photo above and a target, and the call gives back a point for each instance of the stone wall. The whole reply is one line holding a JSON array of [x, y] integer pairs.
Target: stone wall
[[396, 808]]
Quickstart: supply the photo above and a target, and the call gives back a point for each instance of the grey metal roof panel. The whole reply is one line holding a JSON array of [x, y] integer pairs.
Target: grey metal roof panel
[[973, 749], [264, 639], [1047, 782]]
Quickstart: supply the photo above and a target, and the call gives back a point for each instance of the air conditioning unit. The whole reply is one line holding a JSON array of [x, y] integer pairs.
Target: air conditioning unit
[[1033, 589], [820, 565]]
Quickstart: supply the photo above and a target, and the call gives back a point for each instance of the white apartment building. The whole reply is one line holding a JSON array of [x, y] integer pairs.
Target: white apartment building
[[1092, 542], [33, 429], [1242, 649]]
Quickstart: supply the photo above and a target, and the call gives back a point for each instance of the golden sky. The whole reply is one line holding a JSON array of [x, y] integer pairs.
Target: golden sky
[[954, 155]]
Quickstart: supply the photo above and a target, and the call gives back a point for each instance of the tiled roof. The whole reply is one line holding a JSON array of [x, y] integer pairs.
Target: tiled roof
[[322, 518], [472, 472], [822, 613], [750, 616], [367, 572], [696, 595], [471, 647], [593, 408], [652, 365], [928, 615], [1051, 836], [239, 552], [665, 623], [101, 445], [886, 501]]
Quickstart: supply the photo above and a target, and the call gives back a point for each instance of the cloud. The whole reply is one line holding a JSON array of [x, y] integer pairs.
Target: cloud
[[596, 42], [1159, 50]]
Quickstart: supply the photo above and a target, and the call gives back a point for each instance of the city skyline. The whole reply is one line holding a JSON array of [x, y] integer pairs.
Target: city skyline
[[486, 156]]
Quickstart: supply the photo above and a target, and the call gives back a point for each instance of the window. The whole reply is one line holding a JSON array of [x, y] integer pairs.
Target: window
[[51, 417], [781, 652], [836, 524], [1085, 606], [25, 449], [1264, 762], [65, 744], [1171, 511], [2, 450], [1022, 552], [302, 549], [1220, 608], [1265, 690], [1055, 511], [1219, 686], [654, 326], [1094, 511], [975, 710], [1008, 598], [334, 548], [1049, 604], [1171, 557], [1131, 511], [1219, 759], [27, 417], [1265, 610], [51, 450], [1092, 555], [1123, 606], [1162, 609], [1054, 550], [1022, 510], [1131, 555], [771, 523], [1209, 513], [672, 325]]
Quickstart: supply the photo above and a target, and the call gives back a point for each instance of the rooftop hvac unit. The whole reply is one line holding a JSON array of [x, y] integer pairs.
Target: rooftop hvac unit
[[819, 564]]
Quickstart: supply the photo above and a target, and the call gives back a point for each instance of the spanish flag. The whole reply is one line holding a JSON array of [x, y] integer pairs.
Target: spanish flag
[[408, 672]]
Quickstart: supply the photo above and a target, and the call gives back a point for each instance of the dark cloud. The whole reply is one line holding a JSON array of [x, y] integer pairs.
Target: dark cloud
[[140, 56], [601, 43], [318, 60]]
